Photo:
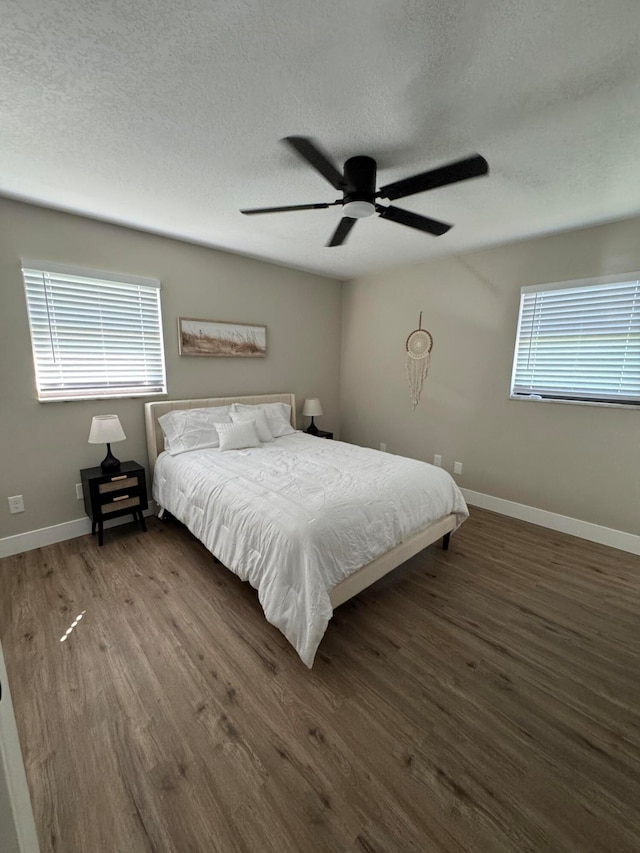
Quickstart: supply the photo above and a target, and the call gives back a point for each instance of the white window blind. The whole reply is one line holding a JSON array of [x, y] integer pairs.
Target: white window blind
[[580, 341], [93, 334]]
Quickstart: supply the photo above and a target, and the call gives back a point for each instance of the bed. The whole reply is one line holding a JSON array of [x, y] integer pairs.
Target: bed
[[308, 522]]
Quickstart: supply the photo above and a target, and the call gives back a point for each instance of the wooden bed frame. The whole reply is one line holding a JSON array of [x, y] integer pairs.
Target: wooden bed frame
[[359, 580]]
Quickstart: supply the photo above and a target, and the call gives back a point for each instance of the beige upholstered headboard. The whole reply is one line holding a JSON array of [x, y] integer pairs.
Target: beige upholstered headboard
[[152, 411]]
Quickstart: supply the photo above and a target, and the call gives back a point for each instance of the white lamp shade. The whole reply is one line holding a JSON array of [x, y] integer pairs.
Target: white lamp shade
[[106, 429], [312, 407]]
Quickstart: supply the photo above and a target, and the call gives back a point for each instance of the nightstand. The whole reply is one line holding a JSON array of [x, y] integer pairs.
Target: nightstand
[[321, 434], [111, 495]]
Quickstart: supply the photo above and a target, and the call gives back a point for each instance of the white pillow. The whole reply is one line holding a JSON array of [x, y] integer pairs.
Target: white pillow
[[260, 419], [278, 416], [192, 429], [239, 435]]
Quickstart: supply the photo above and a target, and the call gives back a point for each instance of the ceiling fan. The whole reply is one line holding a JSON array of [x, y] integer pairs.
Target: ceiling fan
[[358, 187]]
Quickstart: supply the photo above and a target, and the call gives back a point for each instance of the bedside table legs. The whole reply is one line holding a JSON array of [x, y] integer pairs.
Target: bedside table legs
[[137, 516], [94, 525], [97, 524]]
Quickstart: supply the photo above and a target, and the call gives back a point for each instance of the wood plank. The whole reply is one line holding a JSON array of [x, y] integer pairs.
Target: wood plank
[[485, 698]]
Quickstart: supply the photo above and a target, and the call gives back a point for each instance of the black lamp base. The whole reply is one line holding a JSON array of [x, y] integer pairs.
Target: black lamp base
[[109, 463], [312, 428]]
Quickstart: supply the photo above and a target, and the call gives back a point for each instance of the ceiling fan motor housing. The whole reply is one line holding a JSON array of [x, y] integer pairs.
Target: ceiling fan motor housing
[[360, 191]]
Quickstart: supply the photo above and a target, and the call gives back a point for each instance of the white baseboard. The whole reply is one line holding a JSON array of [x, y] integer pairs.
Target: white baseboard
[[58, 533], [552, 520]]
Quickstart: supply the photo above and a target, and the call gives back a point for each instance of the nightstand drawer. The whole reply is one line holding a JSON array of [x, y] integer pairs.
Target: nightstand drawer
[[122, 502], [120, 482]]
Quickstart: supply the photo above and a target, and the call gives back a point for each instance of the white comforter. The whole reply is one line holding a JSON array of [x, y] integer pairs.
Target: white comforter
[[298, 515]]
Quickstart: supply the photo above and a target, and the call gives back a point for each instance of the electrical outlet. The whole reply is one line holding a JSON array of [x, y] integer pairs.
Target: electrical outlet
[[79, 493], [16, 504], [457, 467], [437, 460], [383, 446]]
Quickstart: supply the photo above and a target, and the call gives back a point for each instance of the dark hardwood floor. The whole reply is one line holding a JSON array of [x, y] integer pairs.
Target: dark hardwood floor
[[486, 698]]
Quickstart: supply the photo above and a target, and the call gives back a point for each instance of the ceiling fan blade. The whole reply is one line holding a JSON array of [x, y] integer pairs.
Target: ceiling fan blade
[[309, 151], [253, 210], [340, 234], [413, 220], [460, 170]]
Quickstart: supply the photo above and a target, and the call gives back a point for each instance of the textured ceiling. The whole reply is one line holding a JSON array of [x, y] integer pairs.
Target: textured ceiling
[[166, 116]]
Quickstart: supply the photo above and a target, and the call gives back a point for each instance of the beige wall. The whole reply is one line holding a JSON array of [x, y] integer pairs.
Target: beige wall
[[576, 460], [580, 461], [44, 445]]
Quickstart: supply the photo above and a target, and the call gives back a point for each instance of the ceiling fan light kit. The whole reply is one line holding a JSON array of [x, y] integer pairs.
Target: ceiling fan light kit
[[358, 186], [358, 209]]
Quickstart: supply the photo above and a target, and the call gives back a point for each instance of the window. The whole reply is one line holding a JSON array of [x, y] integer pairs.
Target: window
[[580, 341], [93, 334]]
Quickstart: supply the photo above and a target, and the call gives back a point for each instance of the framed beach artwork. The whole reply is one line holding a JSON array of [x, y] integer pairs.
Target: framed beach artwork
[[215, 337]]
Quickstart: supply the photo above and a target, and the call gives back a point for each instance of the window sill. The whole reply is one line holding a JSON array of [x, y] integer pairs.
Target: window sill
[[575, 402], [97, 397]]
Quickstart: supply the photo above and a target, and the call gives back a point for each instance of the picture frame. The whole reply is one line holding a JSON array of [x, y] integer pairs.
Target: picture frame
[[221, 338]]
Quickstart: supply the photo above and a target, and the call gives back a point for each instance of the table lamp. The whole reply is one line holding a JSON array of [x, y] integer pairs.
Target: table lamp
[[312, 408], [106, 429]]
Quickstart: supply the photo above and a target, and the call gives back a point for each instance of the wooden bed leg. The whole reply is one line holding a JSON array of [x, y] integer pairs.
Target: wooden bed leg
[[445, 541], [161, 513]]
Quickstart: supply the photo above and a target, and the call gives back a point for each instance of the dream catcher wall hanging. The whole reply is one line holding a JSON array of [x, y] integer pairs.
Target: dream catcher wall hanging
[[419, 346]]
